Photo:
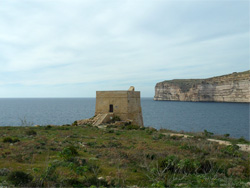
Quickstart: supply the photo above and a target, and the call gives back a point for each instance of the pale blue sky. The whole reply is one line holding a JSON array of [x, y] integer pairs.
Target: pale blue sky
[[71, 48]]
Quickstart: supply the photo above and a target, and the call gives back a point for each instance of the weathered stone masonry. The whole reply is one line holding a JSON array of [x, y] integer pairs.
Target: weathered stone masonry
[[125, 104]]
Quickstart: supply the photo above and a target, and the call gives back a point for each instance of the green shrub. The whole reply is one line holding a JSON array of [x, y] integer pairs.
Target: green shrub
[[110, 131], [115, 118], [159, 184], [15, 140], [151, 156], [94, 181], [7, 139], [31, 132], [232, 150], [49, 173], [66, 125], [78, 161], [158, 136], [150, 130], [72, 183], [19, 158], [68, 153], [19, 178], [190, 147], [10, 140], [130, 127], [170, 163], [206, 166], [112, 126], [113, 144], [48, 127], [91, 144], [242, 140], [118, 133], [75, 123], [188, 165], [207, 134]]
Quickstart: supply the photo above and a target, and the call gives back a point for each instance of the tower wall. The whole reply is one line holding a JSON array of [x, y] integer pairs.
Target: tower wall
[[126, 105]]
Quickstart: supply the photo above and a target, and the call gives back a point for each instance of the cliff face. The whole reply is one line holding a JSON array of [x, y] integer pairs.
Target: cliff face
[[227, 88]]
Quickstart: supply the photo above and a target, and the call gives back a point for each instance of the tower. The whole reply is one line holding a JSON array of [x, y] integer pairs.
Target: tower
[[125, 104]]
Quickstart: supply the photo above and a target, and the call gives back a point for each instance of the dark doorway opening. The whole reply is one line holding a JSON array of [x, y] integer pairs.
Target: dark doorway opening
[[111, 108]]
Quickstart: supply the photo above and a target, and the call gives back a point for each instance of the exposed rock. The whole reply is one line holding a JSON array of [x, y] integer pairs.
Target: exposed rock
[[228, 88], [177, 135], [85, 122], [4, 171], [102, 119], [96, 120]]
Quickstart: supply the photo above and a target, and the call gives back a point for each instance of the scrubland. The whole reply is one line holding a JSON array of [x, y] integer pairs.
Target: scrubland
[[126, 156]]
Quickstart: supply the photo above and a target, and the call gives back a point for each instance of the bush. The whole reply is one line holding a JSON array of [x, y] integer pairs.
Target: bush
[[158, 136], [68, 153], [113, 144], [48, 127], [170, 162], [72, 183], [31, 132], [78, 161], [10, 140], [19, 178], [232, 150], [115, 118], [188, 166], [94, 181], [242, 140], [150, 130], [110, 131], [75, 123], [112, 126], [207, 134], [151, 156], [15, 140], [159, 184], [91, 144], [190, 147], [131, 127]]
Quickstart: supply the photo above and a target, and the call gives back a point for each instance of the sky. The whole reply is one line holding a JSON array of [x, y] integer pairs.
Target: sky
[[73, 48]]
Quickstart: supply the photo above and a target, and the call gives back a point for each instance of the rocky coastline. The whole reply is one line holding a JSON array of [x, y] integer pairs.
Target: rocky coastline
[[227, 88]]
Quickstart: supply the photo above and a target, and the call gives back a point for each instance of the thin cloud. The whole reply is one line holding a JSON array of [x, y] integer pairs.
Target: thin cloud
[[86, 46]]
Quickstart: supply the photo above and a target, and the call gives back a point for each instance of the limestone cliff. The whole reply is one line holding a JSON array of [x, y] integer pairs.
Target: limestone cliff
[[227, 88]]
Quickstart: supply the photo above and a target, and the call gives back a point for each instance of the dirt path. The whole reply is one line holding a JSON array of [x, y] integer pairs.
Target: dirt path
[[243, 147]]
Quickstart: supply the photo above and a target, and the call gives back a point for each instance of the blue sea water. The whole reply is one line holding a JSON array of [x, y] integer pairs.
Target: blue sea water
[[219, 118]]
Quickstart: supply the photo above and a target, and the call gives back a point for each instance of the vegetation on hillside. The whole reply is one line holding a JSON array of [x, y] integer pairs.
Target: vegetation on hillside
[[74, 156]]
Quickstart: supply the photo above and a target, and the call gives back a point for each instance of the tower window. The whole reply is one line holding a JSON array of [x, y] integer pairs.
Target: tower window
[[111, 109]]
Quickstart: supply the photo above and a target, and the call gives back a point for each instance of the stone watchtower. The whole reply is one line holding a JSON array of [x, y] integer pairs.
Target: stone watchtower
[[125, 104]]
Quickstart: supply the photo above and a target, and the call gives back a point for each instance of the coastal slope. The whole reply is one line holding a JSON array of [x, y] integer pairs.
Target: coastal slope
[[227, 88]]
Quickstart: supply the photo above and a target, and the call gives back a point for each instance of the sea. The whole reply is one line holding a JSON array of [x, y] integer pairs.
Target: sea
[[215, 117]]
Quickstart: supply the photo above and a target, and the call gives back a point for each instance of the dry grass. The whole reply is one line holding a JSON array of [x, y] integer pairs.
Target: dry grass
[[120, 157]]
